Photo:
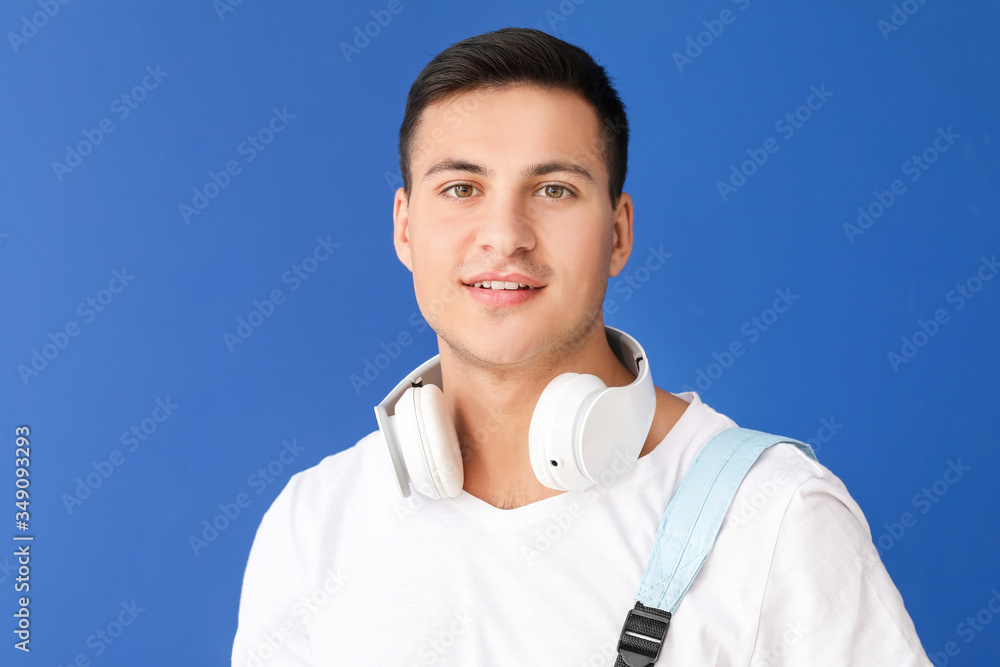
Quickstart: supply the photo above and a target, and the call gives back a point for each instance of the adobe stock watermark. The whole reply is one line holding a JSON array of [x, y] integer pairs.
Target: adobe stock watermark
[[915, 167], [752, 331], [696, 45], [7, 570], [926, 330], [898, 17], [104, 637], [545, 538], [630, 281], [294, 277], [381, 18], [605, 653], [828, 428], [969, 629], [223, 7], [303, 609], [454, 114], [553, 17], [373, 366], [468, 446], [255, 144], [753, 499], [258, 482], [31, 25], [131, 439], [122, 106], [561, 523], [60, 340], [924, 501], [774, 654], [432, 652], [786, 126]]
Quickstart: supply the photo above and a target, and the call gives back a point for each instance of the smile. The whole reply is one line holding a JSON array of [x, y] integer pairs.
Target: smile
[[501, 285], [503, 294]]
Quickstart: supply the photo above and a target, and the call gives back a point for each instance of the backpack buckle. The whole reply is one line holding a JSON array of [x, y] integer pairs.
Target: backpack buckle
[[642, 635]]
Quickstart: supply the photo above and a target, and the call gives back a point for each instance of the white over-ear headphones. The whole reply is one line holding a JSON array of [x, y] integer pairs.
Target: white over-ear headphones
[[581, 430]]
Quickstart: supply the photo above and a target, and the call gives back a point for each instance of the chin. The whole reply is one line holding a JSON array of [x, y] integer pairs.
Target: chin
[[501, 353], [497, 350]]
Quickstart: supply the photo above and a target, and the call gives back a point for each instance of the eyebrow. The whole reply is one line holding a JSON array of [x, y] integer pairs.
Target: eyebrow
[[529, 171]]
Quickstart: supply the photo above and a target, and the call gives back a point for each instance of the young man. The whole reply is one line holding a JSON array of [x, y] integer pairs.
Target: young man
[[512, 218]]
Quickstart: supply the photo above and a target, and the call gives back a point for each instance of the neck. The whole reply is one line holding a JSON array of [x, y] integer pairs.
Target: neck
[[492, 408]]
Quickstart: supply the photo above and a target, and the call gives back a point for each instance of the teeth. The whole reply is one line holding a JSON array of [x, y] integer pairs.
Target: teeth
[[499, 284]]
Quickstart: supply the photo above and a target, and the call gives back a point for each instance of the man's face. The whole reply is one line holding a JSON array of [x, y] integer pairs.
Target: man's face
[[486, 200]]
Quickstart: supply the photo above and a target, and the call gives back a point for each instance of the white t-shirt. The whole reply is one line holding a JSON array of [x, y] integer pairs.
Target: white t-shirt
[[344, 572]]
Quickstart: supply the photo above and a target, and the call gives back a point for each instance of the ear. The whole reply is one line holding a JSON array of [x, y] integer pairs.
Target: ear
[[401, 228], [621, 242]]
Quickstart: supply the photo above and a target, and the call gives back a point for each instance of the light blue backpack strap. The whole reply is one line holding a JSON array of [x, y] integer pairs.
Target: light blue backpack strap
[[694, 515]]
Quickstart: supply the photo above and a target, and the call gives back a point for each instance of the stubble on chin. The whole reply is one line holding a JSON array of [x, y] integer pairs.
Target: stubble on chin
[[545, 360]]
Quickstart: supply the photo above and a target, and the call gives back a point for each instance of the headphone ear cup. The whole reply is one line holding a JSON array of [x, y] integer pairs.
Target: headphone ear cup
[[539, 431], [551, 431], [429, 442]]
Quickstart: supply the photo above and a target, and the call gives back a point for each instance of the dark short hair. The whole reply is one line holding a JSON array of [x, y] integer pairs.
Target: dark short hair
[[520, 56]]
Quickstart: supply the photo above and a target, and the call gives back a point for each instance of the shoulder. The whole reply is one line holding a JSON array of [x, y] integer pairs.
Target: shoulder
[[355, 475], [782, 476], [794, 527], [333, 511], [785, 487]]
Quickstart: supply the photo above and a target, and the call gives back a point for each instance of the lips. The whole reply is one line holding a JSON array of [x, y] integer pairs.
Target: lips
[[498, 285], [499, 298], [493, 276]]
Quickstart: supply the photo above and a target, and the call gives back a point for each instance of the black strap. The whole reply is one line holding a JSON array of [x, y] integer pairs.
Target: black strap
[[642, 636]]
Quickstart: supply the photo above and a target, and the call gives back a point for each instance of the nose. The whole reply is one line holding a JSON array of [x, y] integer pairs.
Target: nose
[[507, 226]]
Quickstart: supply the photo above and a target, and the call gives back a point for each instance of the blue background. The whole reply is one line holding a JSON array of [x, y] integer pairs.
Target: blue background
[[331, 173]]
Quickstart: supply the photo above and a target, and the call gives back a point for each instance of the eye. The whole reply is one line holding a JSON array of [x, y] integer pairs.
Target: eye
[[558, 189], [461, 187]]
